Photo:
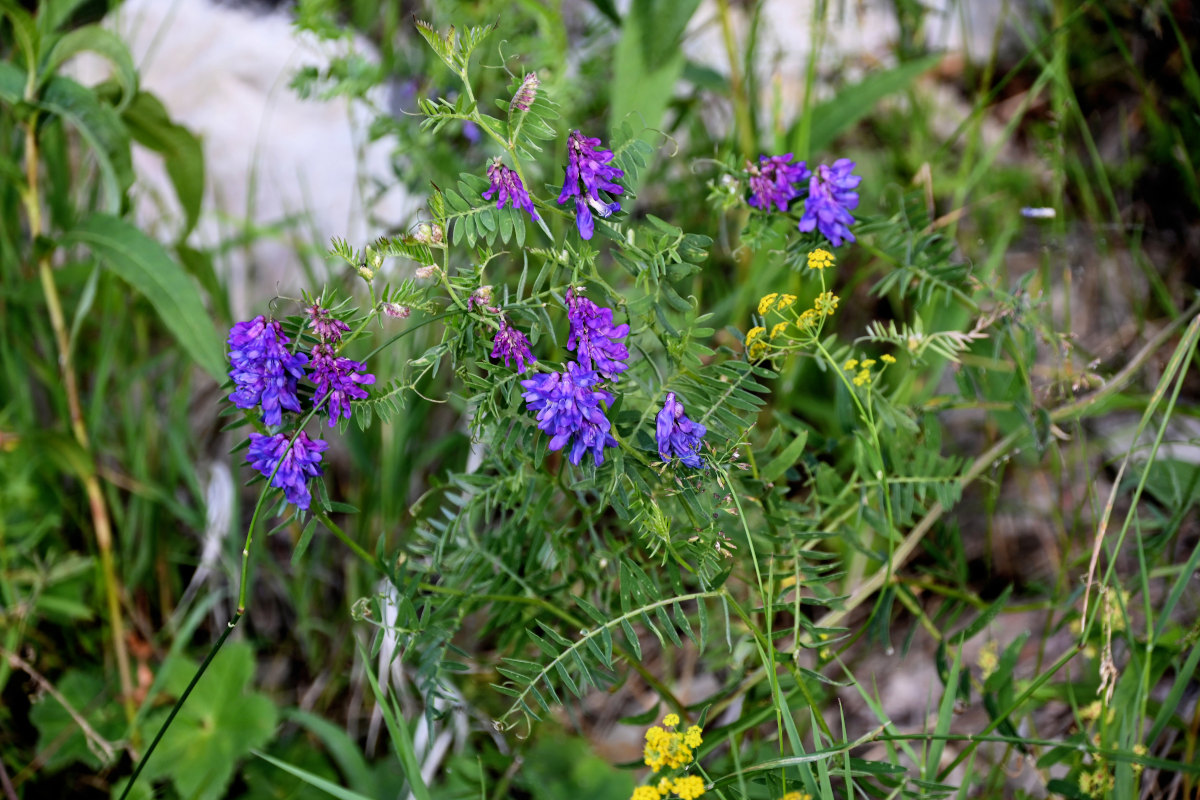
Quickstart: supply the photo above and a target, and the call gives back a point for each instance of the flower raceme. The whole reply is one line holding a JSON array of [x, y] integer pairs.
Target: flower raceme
[[339, 378], [831, 197], [508, 183], [263, 370], [291, 466], [511, 344], [589, 172], [594, 337], [569, 411], [772, 182], [677, 435]]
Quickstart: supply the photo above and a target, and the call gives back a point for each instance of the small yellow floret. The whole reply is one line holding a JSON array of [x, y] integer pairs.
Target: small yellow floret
[[778, 329], [862, 378], [692, 737], [850, 364], [645, 793], [867, 364], [808, 319], [826, 303], [796, 796], [671, 720], [887, 359], [689, 787], [988, 660], [784, 301], [754, 333], [820, 259], [766, 302]]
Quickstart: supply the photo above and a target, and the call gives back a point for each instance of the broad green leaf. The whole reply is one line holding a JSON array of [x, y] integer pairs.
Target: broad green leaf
[[87, 696], [146, 266], [853, 103], [100, 126], [94, 39], [183, 155], [220, 723], [640, 94]]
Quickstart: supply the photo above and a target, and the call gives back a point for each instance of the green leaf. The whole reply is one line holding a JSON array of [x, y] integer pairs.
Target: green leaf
[[87, 696], [94, 39], [984, 619], [221, 722], [317, 782], [853, 103], [183, 155], [146, 266], [775, 469], [640, 94]]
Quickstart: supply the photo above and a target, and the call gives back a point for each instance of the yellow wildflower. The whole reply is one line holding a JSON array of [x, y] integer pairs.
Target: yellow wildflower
[[887, 359], [666, 749], [766, 302], [988, 660], [868, 363], [1138, 750], [862, 378], [689, 787], [671, 720], [820, 259], [796, 796], [808, 319], [1091, 711], [754, 333], [1096, 783], [645, 793], [850, 364], [664, 786], [784, 301], [826, 303], [692, 737], [778, 329]]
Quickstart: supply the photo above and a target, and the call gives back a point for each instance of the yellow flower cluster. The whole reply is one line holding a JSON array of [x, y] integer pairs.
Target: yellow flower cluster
[[819, 259], [808, 319], [755, 346], [778, 329], [796, 796], [826, 303], [776, 301], [863, 375], [1096, 783], [671, 749]]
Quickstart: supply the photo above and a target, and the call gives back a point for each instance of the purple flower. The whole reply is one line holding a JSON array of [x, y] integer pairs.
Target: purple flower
[[508, 184], [263, 370], [773, 181], [296, 464], [526, 93], [510, 343], [568, 410], [594, 336], [677, 435], [831, 195], [328, 328], [340, 378], [588, 167]]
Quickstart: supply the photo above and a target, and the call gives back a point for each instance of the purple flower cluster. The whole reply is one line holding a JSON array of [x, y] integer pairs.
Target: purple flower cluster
[[340, 379], [677, 435], [594, 336], [292, 466], [772, 181], [568, 410], [831, 196], [508, 183], [328, 327], [829, 199], [588, 173], [263, 370], [511, 344]]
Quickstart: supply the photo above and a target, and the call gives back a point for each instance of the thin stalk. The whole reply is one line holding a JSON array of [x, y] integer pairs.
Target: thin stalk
[[91, 482]]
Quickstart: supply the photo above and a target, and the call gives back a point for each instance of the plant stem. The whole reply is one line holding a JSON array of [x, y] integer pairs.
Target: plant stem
[[91, 482]]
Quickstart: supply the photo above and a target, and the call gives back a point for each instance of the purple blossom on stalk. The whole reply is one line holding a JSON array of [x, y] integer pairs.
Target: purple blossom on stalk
[[508, 183], [511, 344], [831, 196], [328, 328], [263, 370], [569, 411], [677, 435], [773, 181], [526, 93], [594, 336], [589, 173], [340, 378], [296, 464]]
